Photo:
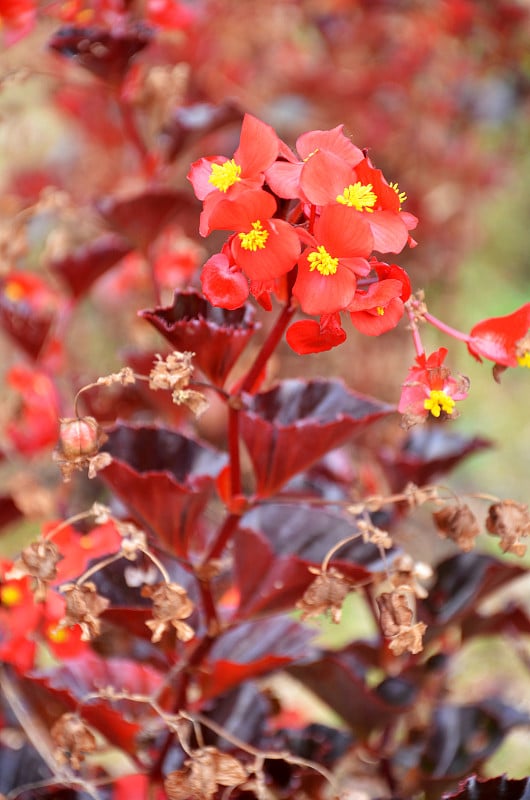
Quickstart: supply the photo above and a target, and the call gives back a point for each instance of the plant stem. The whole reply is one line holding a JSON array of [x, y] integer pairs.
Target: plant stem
[[269, 346], [462, 337]]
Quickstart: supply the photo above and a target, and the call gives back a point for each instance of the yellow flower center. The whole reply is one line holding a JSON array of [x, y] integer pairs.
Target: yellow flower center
[[524, 360], [14, 291], [358, 196], [380, 310], [401, 195], [321, 260], [10, 595], [224, 176], [439, 401], [254, 239], [57, 634]]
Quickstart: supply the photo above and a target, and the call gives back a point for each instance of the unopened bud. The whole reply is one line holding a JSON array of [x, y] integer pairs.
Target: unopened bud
[[79, 437]]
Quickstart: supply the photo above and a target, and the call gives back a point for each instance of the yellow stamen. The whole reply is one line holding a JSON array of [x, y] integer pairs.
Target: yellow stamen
[[401, 195], [380, 310], [359, 196], [254, 239], [524, 360], [311, 154], [10, 595], [86, 542], [57, 635], [439, 401], [14, 291], [224, 176], [321, 260]]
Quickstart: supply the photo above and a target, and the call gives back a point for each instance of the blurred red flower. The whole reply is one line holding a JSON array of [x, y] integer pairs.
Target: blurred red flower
[[431, 389], [504, 340]]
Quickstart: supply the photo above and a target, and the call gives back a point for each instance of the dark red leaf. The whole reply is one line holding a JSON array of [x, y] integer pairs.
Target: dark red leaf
[[491, 789], [27, 322], [311, 532], [9, 511], [291, 426], [250, 650], [189, 123], [164, 479], [119, 721], [215, 335], [80, 268], [461, 583], [105, 53], [426, 453], [142, 217], [339, 680]]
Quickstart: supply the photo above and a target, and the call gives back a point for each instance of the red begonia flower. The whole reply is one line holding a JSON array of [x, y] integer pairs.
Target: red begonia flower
[[223, 283], [504, 340], [329, 179], [378, 309], [264, 248], [219, 178], [37, 423], [320, 152], [328, 269], [309, 336], [431, 389]]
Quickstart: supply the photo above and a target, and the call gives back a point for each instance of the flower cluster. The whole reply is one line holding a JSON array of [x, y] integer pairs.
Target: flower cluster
[[312, 224]]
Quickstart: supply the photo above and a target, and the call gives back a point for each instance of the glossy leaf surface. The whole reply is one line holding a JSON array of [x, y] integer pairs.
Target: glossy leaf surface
[[291, 426], [216, 336]]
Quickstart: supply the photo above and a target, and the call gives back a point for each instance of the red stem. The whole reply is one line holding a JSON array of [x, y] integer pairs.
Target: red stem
[[269, 346], [462, 337], [233, 449]]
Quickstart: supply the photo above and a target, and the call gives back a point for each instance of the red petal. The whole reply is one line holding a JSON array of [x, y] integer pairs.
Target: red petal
[[306, 336], [324, 294], [258, 147], [344, 232], [222, 284], [279, 255], [373, 324], [333, 141], [389, 231], [324, 177], [240, 213], [496, 338], [284, 179]]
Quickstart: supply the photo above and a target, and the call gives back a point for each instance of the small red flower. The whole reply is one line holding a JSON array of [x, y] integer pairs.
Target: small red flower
[[328, 269], [218, 178], [321, 153], [223, 283], [379, 308], [309, 336], [263, 247], [37, 423], [503, 340], [430, 389]]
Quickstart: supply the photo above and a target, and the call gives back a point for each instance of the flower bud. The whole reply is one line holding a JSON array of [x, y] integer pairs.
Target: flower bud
[[79, 437]]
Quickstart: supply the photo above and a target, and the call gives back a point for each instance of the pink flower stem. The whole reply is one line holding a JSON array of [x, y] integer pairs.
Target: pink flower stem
[[416, 338], [462, 337]]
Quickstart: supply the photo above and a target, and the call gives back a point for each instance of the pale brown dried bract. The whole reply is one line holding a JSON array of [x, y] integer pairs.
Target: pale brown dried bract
[[171, 605], [83, 607], [409, 640], [39, 561], [509, 521], [205, 771], [459, 524], [396, 622], [325, 595], [72, 739]]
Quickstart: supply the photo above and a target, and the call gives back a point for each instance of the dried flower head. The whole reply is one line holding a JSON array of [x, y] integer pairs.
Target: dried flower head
[[38, 560], [325, 595], [79, 441], [195, 401], [73, 740], [204, 772], [374, 535], [509, 521], [171, 605], [407, 574], [396, 622], [459, 524], [124, 377], [409, 640], [83, 607], [173, 372]]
